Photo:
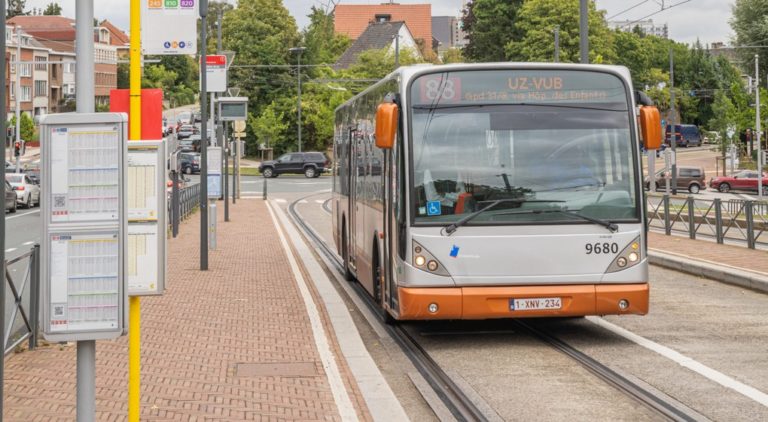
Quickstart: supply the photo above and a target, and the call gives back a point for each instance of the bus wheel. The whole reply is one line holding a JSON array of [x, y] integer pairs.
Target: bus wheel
[[378, 289], [345, 256]]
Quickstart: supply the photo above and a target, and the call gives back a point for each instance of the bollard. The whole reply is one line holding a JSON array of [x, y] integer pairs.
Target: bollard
[[212, 225], [175, 212], [667, 226], [264, 190]]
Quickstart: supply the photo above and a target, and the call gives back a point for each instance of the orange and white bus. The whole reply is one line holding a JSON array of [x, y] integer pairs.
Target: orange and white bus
[[502, 190]]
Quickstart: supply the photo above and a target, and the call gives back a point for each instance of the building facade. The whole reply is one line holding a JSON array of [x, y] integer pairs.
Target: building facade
[[353, 19], [647, 26]]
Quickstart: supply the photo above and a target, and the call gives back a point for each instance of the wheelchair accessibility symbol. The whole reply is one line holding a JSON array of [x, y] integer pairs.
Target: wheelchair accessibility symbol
[[433, 208]]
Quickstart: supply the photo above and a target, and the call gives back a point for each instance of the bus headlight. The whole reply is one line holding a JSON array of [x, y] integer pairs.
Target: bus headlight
[[425, 261], [627, 258]]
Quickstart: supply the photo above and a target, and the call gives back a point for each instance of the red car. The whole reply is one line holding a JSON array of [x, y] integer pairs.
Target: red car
[[743, 180]]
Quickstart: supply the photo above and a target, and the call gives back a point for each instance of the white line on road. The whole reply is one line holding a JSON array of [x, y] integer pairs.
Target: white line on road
[[9, 250], [280, 200], [685, 361], [10, 217], [319, 201], [28, 243]]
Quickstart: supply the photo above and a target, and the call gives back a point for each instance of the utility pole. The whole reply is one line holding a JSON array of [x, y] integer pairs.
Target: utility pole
[[757, 131], [18, 85], [203, 145], [397, 50], [85, 93], [672, 126], [223, 138], [584, 31], [557, 43], [298, 50], [3, 120]]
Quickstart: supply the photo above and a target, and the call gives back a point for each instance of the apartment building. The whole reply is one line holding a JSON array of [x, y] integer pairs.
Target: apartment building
[[56, 34]]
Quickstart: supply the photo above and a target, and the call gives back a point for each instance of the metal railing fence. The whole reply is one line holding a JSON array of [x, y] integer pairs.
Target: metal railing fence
[[733, 220], [181, 207], [22, 302]]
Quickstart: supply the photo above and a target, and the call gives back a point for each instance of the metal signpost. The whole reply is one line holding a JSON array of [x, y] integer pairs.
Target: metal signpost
[[147, 218], [169, 27]]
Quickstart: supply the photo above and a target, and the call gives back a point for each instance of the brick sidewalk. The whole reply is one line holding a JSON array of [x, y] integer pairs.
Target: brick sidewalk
[[202, 342], [739, 257]]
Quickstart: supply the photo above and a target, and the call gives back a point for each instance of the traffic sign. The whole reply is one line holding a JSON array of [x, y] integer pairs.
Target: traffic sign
[[240, 126], [216, 72], [169, 27]]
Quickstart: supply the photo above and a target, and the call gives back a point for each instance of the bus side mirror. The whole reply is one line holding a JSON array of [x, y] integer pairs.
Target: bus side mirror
[[386, 125], [650, 127]]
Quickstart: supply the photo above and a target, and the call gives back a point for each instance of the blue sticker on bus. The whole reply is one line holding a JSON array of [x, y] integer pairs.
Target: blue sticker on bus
[[433, 208], [454, 251]]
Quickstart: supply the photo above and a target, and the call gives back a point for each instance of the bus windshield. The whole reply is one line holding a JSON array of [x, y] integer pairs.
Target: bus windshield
[[562, 143]]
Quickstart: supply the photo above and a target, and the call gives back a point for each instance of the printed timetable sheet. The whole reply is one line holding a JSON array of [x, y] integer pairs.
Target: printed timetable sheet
[[142, 184], [84, 174], [142, 258], [84, 281]]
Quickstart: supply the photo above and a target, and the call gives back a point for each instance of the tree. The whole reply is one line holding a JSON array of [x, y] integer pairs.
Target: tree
[[323, 44], [751, 28], [53, 9], [27, 126], [490, 25], [211, 20], [536, 20], [453, 55], [16, 8]]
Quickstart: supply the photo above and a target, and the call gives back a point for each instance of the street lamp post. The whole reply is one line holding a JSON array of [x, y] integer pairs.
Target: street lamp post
[[298, 50]]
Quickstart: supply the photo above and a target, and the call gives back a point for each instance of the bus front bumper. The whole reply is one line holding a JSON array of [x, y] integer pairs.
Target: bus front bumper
[[505, 301]]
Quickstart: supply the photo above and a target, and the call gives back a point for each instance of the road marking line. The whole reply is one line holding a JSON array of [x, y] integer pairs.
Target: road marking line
[[21, 215], [303, 201], [319, 201], [280, 200], [9, 250], [339, 391], [686, 362], [28, 243]]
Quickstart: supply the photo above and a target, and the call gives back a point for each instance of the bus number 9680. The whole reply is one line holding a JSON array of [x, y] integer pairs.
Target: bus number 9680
[[601, 248]]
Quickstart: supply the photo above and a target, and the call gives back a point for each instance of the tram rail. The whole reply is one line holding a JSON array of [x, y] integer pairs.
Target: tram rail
[[452, 396]]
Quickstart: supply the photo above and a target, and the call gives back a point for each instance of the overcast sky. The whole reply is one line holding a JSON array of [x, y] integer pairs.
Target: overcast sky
[[691, 19]]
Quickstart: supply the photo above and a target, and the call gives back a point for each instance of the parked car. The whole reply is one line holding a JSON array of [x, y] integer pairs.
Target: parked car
[[689, 178], [27, 191], [189, 162], [187, 145], [10, 198], [686, 135], [185, 131], [744, 180], [184, 118], [311, 164]]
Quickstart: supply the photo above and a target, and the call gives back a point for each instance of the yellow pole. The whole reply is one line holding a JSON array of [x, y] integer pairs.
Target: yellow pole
[[134, 317]]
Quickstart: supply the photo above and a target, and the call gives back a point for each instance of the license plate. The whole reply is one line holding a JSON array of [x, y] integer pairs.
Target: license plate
[[534, 303]]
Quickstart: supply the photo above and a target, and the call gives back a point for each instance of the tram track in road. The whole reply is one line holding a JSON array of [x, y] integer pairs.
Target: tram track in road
[[453, 397]]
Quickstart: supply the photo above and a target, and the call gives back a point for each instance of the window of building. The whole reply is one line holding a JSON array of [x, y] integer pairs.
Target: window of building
[[383, 18], [26, 93], [13, 63], [55, 71], [70, 67], [25, 69], [40, 63], [41, 88], [13, 91]]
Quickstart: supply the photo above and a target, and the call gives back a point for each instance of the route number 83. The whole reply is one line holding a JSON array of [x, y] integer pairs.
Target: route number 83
[[601, 248]]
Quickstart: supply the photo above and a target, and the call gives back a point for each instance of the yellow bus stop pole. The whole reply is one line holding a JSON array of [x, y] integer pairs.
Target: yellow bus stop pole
[[134, 316]]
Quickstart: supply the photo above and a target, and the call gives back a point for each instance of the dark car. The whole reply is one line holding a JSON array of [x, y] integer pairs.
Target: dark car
[[311, 164], [686, 135], [187, 145], [688, 177], [10, 198], [189, 163]]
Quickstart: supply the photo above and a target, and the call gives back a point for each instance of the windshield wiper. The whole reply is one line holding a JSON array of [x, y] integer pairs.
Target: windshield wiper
[[607, 224], [449, 229]]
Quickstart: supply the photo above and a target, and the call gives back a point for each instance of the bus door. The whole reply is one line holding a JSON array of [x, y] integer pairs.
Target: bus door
[[354, 171]]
